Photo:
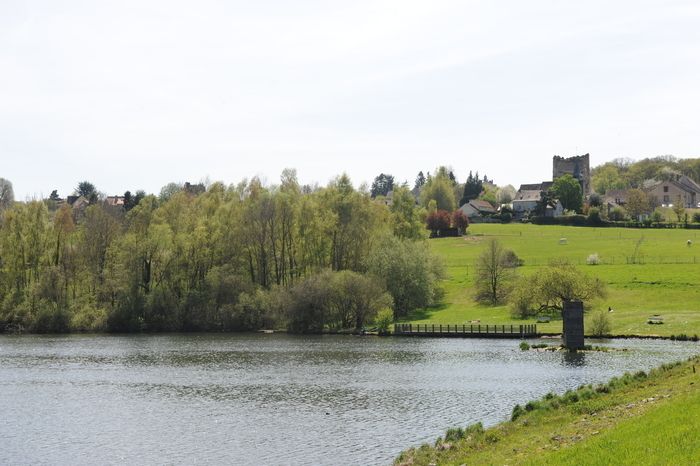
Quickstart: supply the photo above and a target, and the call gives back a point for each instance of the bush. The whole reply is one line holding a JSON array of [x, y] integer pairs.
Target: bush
[[618, 214], [521, 300], [510, 259], [506, 217], [384, 319], [600, 323], [87, 318], [593, 259], [594, 216], [657, 216], [524, 346], [696, 217]]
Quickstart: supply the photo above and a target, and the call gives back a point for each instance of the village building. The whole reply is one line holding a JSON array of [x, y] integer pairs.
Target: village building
[[527, 198], [477, 209], [679, 188], [114, 201]]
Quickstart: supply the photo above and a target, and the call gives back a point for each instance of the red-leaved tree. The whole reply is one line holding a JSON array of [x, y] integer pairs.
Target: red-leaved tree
[[460, 221], [438, 220]]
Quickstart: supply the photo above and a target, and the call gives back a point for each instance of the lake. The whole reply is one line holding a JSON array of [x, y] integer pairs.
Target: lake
[[272, 399]]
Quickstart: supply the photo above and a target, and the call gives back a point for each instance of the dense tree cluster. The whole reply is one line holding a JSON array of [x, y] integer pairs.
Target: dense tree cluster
[[230, 258]]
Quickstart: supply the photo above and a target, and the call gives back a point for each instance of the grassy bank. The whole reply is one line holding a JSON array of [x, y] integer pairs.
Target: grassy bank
[[665, 278], [634, 419]]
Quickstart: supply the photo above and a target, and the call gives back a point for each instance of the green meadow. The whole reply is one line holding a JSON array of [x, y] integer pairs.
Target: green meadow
[[635, 419], [647, 272]]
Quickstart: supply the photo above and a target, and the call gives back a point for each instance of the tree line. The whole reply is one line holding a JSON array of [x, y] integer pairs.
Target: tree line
[[226, 258]]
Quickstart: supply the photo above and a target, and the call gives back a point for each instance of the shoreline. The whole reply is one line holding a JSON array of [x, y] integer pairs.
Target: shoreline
[[591, 425]]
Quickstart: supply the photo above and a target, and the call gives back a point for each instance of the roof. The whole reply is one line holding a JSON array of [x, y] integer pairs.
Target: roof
[[482, 206], [689, 184], [528, 195], [544, 186], [682, 181]]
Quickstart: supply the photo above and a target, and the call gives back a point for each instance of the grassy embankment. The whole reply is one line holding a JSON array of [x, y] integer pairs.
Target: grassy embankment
[[636, 419], [665, 281]]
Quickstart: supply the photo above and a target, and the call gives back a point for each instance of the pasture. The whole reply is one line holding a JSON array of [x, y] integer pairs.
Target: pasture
[[647, 272]]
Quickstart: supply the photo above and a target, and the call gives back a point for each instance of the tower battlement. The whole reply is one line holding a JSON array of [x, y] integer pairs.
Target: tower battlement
[[578, 166]]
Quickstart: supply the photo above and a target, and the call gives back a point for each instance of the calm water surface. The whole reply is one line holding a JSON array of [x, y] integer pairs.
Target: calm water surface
[[271, 399]]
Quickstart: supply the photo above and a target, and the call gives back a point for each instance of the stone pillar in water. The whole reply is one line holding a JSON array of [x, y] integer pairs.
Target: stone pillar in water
[[572, 316]]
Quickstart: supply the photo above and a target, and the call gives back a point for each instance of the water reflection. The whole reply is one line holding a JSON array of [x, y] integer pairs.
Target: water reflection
[[571, 359], [261, 399]]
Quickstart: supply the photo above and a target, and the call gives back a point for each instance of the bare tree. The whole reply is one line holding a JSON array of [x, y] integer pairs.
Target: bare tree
[[494, 274]]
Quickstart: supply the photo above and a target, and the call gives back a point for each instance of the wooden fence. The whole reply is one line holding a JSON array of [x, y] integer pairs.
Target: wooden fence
[[466, 330]]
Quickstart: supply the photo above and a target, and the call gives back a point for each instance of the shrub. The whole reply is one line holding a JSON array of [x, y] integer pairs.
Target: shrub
[[524, 346], [384, 319], [618, 214], [696, 217], [593, 259], [506, 217], [657, 216], [510, 259], [453, 434], [517, 412], [522, 303], [600, 323], [594, 216]]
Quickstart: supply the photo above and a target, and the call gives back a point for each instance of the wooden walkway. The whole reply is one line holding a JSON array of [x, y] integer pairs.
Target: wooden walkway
[[466, 330]]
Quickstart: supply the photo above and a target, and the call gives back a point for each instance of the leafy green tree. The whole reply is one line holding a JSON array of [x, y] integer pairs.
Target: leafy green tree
[[547, 199], [548, 289], [169, 190], [607, 177], [439, 188], [408, 270], [406, 216], [381, 185], [87, 190], [505, 194], [595, 200], [637, 203], [568, 190]]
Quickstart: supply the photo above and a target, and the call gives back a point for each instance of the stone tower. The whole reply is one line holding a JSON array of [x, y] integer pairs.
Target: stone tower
[[578, 166]]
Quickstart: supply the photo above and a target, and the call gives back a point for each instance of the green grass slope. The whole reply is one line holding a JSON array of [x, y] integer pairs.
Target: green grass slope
[[648, 271], [635, 419]]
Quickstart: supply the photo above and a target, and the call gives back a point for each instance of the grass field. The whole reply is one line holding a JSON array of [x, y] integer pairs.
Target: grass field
[[648, 271], [637, 420]]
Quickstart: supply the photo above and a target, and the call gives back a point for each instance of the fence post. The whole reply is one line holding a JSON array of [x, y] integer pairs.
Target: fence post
[[440, 328]]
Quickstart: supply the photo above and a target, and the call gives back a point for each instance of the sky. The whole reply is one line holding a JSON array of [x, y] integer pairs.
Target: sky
[[139, 93]]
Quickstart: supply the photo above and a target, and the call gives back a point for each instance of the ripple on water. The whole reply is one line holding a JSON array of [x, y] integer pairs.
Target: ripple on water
[[261, 399]]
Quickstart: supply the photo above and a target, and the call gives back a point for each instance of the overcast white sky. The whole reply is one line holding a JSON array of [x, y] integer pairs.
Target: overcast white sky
[[137, 93]]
